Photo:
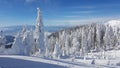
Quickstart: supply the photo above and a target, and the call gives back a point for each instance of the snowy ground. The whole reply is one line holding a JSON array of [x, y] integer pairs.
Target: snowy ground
[[18, 63], [34, 62]]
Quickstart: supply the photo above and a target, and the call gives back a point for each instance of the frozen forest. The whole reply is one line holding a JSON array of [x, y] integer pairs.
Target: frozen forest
[[26, 42], [73, 42], [89, 43], [84, 39]]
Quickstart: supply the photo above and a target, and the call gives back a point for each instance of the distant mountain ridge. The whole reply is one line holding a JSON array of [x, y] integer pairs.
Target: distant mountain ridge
[[113, 23], [13, 30]]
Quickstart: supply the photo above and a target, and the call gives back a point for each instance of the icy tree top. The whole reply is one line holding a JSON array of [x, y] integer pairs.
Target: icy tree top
[[39, 12], [39, 17]]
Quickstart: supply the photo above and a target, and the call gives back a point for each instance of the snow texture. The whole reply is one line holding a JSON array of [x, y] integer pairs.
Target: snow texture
[[90, 45]]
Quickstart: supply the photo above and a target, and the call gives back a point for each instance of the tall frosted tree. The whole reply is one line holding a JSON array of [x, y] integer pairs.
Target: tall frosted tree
[[67, 45], [57, 51], [39, 33], [84, 42], [100, 31], [109, 37], [76, 45]]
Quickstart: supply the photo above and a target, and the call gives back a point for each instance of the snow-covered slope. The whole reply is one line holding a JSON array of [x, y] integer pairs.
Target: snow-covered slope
[[26, 62], [34, 62], [13, 61], [113, 23]]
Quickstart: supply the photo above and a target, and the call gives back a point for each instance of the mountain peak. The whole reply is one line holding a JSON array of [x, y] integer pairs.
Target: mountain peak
[[113, 23]]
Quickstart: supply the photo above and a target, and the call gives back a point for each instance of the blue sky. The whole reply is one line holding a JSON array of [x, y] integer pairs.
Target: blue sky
[[58, 12]]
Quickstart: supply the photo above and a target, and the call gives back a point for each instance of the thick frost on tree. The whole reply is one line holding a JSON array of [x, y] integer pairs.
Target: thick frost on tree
[[39, 33], [109, 37], [75, 49], [84, 41], [67, 45], [99, 37], [2, 39], [57, 51], [24, 43], [2, 43], [46, 46], [28, 43], [17, 45]]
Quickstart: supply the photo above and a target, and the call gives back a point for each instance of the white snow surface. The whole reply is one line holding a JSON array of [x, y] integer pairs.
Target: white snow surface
[[113, 23], [14, 61]]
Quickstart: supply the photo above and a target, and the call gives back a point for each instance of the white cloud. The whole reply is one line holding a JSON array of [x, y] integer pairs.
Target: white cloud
[[83, 7], [72, 16], [78, 21], [85, 12]]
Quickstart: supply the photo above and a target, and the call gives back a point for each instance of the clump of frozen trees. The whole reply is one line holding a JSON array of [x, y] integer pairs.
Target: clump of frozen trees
[[30, 42], [81, 40]]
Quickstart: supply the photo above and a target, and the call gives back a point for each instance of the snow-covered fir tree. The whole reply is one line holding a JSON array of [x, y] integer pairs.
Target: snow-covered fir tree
[[24, 43], [57, 51], [39, 34], [2, 39], [67, 45], [109, 37], [17, 45]]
